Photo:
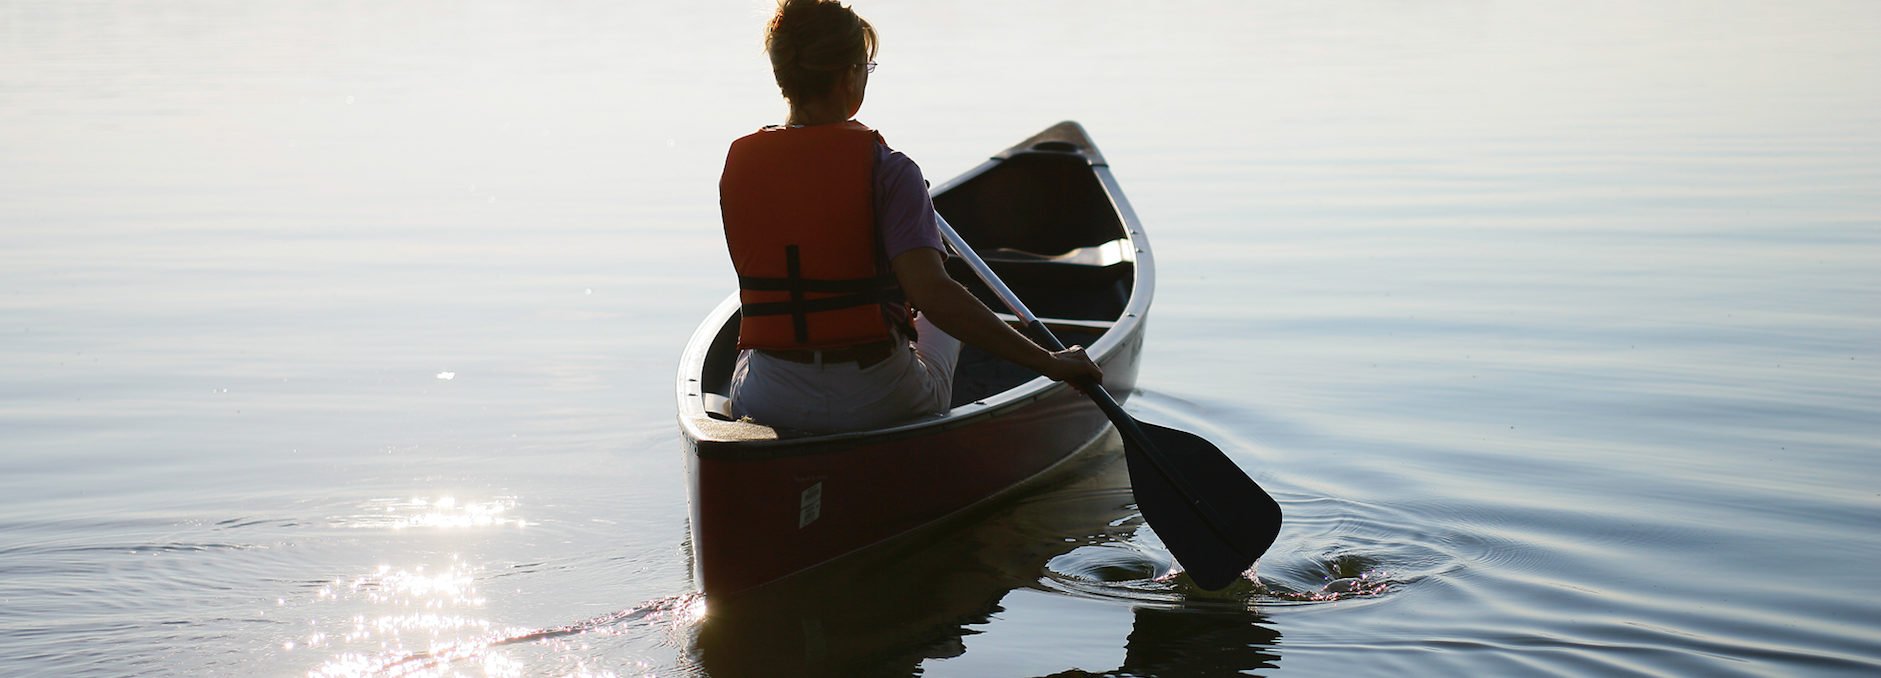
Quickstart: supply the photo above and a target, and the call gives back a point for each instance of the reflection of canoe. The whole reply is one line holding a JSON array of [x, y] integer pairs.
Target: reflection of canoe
[[895, 609], [768, 503], [886, 610]]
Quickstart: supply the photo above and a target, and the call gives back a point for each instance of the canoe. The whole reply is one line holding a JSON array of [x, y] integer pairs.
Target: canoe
[[768, 503]]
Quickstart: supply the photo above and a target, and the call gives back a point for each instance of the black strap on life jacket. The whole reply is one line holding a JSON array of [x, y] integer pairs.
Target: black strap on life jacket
[[852, 292]]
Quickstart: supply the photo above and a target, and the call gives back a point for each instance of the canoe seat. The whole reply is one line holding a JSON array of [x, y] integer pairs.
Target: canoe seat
[[1061, 325], [735, 431], [718, 406], [1096, 256], [719, 424], [1085, 283]]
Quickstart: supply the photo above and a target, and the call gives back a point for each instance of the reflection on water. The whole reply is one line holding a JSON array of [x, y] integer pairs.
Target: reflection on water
[[1182, 642], [918, 604], [915, 607], [887, 610]]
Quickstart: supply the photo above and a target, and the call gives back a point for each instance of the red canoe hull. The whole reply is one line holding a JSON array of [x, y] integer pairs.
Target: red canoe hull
[[755, 521]]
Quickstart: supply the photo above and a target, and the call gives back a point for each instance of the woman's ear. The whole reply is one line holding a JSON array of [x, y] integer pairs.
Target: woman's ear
[[854, 85]]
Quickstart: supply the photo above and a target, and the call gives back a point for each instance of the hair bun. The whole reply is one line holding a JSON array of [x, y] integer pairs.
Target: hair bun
[[811, 43]]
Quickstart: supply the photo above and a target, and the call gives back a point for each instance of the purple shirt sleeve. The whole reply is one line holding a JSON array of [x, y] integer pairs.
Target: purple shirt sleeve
[[904, 214]]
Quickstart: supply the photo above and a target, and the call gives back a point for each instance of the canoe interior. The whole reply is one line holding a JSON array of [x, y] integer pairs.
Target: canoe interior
[[1028, 211], [1042, 219], [1045, 202]]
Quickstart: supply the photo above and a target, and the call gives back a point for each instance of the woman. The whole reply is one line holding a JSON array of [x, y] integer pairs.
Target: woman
[[833, 237]]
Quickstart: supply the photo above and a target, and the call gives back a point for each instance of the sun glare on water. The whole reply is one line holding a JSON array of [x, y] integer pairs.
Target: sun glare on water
[[425, 618], [411, 621], [425, 512]]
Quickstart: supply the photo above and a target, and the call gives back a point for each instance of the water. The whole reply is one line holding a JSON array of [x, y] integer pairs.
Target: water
[[338, 338]]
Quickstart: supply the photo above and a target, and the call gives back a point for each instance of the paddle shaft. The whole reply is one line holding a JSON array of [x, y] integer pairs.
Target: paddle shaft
[[1126, 425]]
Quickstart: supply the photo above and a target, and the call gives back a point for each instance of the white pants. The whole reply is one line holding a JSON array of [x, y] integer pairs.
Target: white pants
[[916, 380]]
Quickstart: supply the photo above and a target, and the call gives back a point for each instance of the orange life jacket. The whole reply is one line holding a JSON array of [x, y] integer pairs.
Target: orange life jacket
[[798, 207]]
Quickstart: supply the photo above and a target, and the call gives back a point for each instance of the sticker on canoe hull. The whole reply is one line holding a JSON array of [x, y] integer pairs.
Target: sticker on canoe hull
[[810, 505]]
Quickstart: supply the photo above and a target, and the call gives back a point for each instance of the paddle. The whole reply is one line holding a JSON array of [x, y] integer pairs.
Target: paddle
[[1215, 520]]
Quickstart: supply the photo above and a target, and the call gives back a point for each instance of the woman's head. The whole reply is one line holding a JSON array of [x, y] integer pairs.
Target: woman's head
[[814, 44]]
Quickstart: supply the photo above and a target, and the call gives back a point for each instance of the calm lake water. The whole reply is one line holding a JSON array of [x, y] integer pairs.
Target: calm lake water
[[338, 338]]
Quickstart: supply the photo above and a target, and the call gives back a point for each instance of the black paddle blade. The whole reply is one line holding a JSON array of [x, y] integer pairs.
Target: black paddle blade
[[1212, 516]]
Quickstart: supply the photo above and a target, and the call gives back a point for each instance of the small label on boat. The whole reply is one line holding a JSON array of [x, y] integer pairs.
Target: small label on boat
[[810, 505]]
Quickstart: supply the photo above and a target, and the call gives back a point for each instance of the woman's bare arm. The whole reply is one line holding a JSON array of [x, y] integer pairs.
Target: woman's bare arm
[[948, 304]]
